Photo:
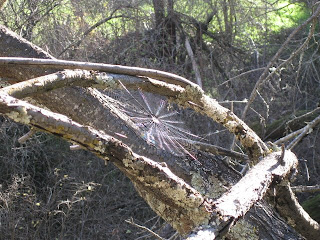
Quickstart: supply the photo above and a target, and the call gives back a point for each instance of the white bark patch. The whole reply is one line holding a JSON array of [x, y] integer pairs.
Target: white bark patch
[[20, 115]]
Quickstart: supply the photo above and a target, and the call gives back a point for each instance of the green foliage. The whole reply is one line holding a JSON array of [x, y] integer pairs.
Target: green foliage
[[288, 15], [312, 206]]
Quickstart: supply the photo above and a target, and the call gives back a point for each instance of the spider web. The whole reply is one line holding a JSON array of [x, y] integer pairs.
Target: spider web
[[159, 124]]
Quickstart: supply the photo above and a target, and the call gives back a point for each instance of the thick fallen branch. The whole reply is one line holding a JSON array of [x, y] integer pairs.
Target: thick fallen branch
[[169, 196], [234, 204], [192, 97]]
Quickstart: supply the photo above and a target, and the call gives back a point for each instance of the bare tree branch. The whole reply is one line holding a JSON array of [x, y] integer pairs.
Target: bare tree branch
[[266, 75], [241, 197], [157, 181], [193, 61], [315, 188], [63, 64], [192, 97], [299, 218], [76, 44], [306, 130]]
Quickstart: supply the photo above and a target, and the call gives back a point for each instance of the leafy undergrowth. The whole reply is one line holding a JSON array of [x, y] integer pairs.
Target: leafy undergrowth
[[50, 192]]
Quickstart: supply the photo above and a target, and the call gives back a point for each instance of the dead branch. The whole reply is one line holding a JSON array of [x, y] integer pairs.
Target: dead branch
[[315, 188], [288, 137], [27, 136], [192, 97], [287, 124], [266, 75], [241, 75], [234, 204], [193, 61], [299, 218], [63, 64], [306, 130], [155, 180], [267, 170]]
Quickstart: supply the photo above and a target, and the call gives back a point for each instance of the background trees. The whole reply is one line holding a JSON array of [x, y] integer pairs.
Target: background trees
[[231, 43]]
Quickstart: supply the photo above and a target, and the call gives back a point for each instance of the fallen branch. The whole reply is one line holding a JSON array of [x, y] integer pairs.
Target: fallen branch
[[235, 203], [306, 130], [191, 96], [153, 180], [315, 188], [63, 64], [290, 209]]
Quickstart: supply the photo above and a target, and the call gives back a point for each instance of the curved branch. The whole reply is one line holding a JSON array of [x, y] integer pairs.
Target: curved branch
[[192, 97], [63, 64], [173, 199], [296, 216]]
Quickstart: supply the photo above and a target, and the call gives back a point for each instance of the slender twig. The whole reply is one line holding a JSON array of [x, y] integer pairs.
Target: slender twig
[[75, 147], [219, 150], [315, 188], [193, 61], [241, 75], [76, 44], [288, 137], [27, 136], [130, 221], [306, 130], [266, 75]]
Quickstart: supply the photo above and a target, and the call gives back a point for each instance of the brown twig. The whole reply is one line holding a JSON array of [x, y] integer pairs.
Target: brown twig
[[266, 75], [306, 130], [130, 221], [76, 44]]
